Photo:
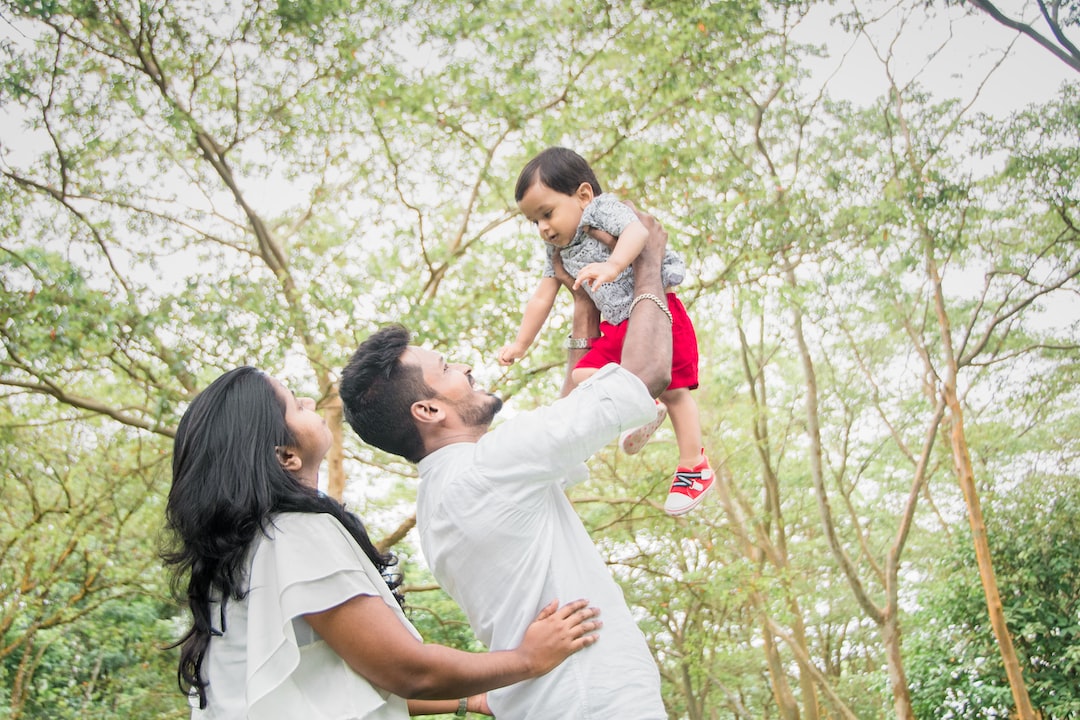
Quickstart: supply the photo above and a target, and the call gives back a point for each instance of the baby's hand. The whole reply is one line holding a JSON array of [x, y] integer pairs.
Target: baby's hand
[[509, 353], [596, 274]]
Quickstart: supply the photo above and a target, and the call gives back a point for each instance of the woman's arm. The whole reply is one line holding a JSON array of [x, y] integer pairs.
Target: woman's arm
[[367, 634]]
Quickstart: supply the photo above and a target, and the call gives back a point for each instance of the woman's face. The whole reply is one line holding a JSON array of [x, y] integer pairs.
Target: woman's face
[[312, 436]]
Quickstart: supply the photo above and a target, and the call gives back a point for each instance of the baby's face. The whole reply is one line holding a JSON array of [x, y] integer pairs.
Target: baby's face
[[555, 215]]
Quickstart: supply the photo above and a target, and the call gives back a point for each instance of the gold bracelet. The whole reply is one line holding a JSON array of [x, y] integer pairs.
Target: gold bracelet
[[462, 707], [659, 303]]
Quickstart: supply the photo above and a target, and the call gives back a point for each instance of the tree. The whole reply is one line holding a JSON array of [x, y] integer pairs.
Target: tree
[[1058, 16], [195, 188], [79, 565], [265, 183], [853, 237], [1034, 539]]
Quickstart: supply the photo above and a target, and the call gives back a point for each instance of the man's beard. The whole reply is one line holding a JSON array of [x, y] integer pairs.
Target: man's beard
[[476, 415]]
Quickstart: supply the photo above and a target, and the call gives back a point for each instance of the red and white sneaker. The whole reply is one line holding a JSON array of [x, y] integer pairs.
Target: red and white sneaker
[[689, 488], [632, 441]]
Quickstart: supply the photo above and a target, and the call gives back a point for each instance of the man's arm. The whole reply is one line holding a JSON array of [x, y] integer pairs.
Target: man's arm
[[647, 347], [586, 323]]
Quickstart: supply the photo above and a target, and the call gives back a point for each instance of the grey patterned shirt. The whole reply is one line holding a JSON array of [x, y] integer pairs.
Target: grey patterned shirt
[[613, 299]]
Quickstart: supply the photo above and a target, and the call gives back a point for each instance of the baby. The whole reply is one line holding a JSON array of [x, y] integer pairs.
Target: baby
[[558, 192]]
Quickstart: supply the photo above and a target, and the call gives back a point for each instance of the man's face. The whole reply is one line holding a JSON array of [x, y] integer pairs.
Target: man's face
[[453, 382]]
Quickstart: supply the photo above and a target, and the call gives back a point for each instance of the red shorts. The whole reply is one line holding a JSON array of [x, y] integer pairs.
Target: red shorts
[[684, 348]]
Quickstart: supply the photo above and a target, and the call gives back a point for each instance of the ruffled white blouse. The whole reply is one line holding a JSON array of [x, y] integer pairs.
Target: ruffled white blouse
[[269, 663]]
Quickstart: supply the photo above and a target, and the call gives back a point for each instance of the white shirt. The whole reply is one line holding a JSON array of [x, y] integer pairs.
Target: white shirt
[[270, 664], [502, 538]]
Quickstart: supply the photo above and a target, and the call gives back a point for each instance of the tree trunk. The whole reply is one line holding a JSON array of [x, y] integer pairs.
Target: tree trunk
[[806, 683], [785, 700], [890, 637], [335, 467], [966, 476]]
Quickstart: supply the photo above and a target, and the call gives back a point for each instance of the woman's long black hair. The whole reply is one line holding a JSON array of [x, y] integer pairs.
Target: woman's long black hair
[[227, 486]]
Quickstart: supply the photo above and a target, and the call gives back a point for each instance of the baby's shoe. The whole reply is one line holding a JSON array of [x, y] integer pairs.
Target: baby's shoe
[[689, 487], [632, 441]]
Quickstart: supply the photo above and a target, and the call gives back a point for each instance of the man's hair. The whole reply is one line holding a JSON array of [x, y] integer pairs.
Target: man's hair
[[559, 168], [377, 392]]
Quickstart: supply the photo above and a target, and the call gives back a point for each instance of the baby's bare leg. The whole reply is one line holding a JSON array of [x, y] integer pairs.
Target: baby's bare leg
[[580, 375], [683, 411]]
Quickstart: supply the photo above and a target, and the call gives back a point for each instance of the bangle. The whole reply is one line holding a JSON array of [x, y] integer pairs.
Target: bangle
[[462, 707], [573, 343], [659, 303]]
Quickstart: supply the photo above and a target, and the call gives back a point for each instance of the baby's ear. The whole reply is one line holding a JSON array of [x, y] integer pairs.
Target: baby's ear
[[289, 460]]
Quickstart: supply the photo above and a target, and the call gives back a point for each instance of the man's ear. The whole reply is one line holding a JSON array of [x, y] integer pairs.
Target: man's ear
[[428, 411], [289, 460]]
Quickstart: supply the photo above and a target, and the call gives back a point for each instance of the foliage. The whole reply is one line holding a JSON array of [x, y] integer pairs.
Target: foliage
[[108, 665], [1035, 541], [82, 612], [194, 187]]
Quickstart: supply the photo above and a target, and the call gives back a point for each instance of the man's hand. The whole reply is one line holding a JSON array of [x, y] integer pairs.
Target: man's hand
[[562, 276], [657, 239], [605, 237]]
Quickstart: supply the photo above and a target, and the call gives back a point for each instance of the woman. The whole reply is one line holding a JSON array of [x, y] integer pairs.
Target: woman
[[293, 611]]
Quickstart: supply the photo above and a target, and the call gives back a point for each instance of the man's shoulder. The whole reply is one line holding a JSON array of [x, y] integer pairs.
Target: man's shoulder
[[445, 459]]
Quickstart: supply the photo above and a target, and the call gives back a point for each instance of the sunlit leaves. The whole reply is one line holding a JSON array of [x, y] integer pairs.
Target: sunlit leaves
[[196, 186]]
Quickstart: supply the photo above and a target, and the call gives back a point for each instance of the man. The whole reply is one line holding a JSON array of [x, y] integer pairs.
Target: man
[[495, 526]]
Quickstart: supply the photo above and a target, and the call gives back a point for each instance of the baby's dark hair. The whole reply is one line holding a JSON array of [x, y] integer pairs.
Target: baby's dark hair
[[559, 168]]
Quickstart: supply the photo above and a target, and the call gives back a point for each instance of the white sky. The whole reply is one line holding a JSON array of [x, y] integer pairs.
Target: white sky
[[967, 43]]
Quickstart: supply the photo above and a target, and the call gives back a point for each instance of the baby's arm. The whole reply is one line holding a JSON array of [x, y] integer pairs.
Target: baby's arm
[[536, 313], [627, 248]]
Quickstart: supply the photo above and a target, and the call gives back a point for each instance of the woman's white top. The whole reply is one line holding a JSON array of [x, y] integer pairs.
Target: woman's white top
[[269, 663]]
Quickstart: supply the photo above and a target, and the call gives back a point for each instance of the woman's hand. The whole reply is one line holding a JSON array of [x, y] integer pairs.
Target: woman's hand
[[559, 632]]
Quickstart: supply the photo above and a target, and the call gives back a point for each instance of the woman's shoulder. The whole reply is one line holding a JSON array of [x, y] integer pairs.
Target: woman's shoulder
[[303, 544], [290, 521], [305, 528]]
